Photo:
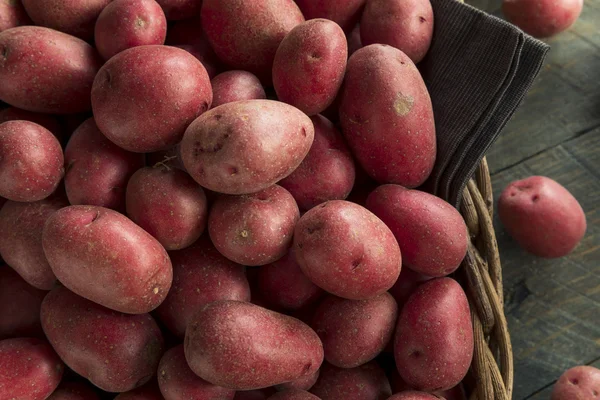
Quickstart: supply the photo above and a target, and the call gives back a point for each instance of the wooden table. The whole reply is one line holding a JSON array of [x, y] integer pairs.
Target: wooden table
[[553, 306]]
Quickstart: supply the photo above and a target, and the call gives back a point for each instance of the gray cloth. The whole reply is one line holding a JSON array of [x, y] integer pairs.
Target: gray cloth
[[478, 70]]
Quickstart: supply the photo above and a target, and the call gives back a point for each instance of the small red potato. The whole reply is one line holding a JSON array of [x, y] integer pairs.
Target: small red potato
[[246, 146], [254, 229], [106, 258], [367, 382], [354, 41], [293, 394], [433, 346], [115, 351], [97, 170], [29, 369], [542, 216], [180, 9], [243, 346], [12, 14], [304, 383], [245, 35], [404, 24], [47, 71], [407, 282], [309, 65], [48, 121], [177, 381], [413, 395], [326, 173], [345, 13], [387, 117], [31, 161], [145, 97], [200, 275], [398, 385], [542, 18], [233, 86], [577, 383], [150, 391], [129, 23], [346, 250], [431, 233], [74, 391]]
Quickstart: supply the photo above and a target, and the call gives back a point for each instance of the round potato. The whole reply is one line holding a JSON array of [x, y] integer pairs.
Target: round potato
[[582, 382], [180, 9], [48, 121], [150, 391], [293, 394], [366, 382], [345, 13], [542, 18], [13, 14], [74, 391], [304, 383], [233, 86]]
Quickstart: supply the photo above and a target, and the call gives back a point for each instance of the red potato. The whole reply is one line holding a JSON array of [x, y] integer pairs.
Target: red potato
[[200, 275], [49, 122], [346, 250], [150, 391], [177, 381], [398, 385], [246, 146], [433, 346], [245, 35], [12, 14], [413, 395], [104, 257], [180, 9], [345, 13], [407, 282], [124, 24], [97, 170], [167, 204], [326, 173], [304, 383], [388, 122], [367, 382], [577, 383], [21, 225], [233, 86], [542, 18], [542, 216], [29, 369], [170, 158], [254, 229], [74, 391], [309, 65], [31, 161], [261, 394], [293, 394], [354, 41], [46, 71], [431, 233], [243, 346], [404, 24], [115, 351], [145, 97]]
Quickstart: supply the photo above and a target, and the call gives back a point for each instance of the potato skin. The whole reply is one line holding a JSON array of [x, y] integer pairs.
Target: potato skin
[[86, 335], [367, 382], [31, 161], [539, 204], [12, 14], [46, 71], [261, 394], [200, 275], [407, 282], [581, 382], [432, 234], [189, 36], [74, 391], [433, 346], [48, 121], [97, 170], [222, 346], [104, 257], [180, 9], [150, 391], [413, 395], [345, 13], [388, 123], [404, 24], [246, 146], [304, 383], [233, 86], [293, 394], [29, 369], [309, 65], [542, 18], [144, 97], [346, 250]]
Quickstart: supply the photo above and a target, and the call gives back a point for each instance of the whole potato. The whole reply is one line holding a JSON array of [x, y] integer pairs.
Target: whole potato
[[29, 369], [149, 391], [233, 86], [367, 382], [254, 229], [19, 306], [398, 385], [97, 170], [542, 216], [246, 146], [407, 282], [46, 71], [387, 117], [246, 34], [354, 40], [180, 9], [31, 161], [243, 346], [12, 14], [168, 204], [582, 382], [104, 257], [404, 24], [345, 13], [413, 395], [129, 23], [433, 346], [22, 225], [346, 250], [48, 121], [542, 18], [200, 275], [326, 173], [177, 381], [115, 351], [309, 65], [189, 35], [304, 383], [74, 391], [293, 394], [431, 233], [145, 97]]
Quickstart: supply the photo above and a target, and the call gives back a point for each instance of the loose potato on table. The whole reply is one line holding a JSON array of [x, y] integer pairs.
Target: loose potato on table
[[237, 85], [74, 391], [345, 13], [542, 18], [12, 14], [180, 9], [293, 394], [367, 382], [48, 121], [582, 382]]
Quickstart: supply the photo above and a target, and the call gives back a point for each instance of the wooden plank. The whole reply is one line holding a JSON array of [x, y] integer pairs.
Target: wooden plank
[[553, 306]]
